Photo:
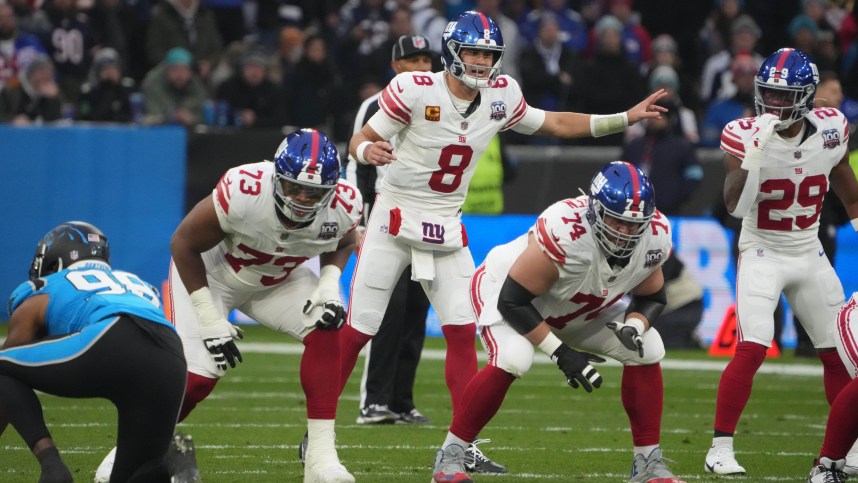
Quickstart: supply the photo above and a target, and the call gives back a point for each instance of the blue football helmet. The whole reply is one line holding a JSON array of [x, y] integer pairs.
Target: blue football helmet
[[307, 169], [472, 30], [67, 244], [786, 86], [620, 206]]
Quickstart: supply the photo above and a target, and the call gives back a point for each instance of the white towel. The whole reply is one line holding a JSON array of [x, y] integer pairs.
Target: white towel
[[422, 265]]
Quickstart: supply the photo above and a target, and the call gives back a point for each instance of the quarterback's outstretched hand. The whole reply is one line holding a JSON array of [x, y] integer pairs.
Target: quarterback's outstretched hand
[[764, 128], [629, 333], [647, 109], [219, 340], [576, 366], [324, 309]]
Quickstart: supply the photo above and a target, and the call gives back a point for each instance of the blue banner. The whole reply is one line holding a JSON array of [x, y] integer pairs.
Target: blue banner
[[128, 181]]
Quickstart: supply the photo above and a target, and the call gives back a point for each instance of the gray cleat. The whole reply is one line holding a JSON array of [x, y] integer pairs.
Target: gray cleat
[[652, 467]]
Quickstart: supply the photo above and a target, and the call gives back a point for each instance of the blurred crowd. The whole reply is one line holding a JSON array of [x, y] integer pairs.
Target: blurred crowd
[[273, 63]]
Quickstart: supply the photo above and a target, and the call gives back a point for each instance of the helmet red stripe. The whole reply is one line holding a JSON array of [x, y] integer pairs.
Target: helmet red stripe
[[314, 151], [781, 61], [636, 185], [484, 20]]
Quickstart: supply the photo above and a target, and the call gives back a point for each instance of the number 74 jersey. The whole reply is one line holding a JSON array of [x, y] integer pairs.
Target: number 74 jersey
[[793, 179], [258, 251]]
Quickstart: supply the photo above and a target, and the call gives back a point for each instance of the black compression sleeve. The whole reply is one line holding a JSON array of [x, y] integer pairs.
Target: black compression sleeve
[[650, 306], [514, 303]]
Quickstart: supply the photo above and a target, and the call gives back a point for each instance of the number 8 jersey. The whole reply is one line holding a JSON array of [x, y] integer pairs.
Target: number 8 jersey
[[437, 146], [793, 179]]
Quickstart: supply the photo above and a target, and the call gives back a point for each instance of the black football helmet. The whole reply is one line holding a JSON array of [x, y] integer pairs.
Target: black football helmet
[[66, 244]]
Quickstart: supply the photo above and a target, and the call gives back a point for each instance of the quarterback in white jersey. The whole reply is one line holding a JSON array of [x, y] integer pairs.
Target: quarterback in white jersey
[[443, 123], [243, 248], [780, 165], [562, 285]]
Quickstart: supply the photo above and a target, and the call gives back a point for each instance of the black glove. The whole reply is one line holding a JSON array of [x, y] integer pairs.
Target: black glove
[[222, 346], [576, 366], [330, 315]]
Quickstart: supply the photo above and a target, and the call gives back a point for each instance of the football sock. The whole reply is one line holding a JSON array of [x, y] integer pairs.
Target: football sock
[[734, 390], [834, 374], [645, 451], [722, 442], [642, 393], [320, 437], [461, 363], [198, 388], [840, 435], [321, 361], [351, 342], [480, 402], [453, 439]]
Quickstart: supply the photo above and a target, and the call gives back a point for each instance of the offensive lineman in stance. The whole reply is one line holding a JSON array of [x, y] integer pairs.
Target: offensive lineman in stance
[[443, 122], [560, 286]]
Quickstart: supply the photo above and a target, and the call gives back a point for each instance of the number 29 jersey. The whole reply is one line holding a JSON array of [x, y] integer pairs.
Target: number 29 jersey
[[793, 180], [258, 251], [587, 285], [437, 147]]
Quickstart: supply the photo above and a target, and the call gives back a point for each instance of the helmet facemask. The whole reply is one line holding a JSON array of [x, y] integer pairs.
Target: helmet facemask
[[313, 197], [462, 71], [617, 234], [789, 103]]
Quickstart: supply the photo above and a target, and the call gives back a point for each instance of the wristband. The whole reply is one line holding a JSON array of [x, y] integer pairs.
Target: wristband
[[637, 323], [359, 152], [550, 344], [204, 306], [602, 125], [855, 224]]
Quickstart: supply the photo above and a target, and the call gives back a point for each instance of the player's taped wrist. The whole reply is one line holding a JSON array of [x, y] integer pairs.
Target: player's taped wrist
[[604, 124], [550, 344], [748, 195], [329, 283], [636, 323], [204, 305], [359, 152], [855, 224]]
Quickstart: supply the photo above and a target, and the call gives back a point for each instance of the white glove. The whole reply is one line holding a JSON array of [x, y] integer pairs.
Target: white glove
[[324, 308], [217, 333], [629, 333], [764, 128]]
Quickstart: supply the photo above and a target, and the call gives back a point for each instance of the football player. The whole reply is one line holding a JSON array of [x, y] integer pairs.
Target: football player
[[780, 165], [243, 247], [78, 329], [443, 122], [842, 429], [561, 285]]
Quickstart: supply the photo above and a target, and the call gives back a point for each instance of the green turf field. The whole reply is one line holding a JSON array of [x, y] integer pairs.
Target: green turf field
[[248, 430]]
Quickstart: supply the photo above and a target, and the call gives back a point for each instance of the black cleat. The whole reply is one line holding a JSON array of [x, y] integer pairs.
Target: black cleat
[[181, 460], [413, 417], [476, 461], [302, 448]]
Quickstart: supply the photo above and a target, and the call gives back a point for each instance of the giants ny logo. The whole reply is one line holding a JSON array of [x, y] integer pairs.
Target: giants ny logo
[[830, 139], [498, 110], [433, 233]]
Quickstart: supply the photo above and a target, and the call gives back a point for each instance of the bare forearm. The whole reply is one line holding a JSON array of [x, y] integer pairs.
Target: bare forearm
[[733, 186], [190, 265], [565, 125]]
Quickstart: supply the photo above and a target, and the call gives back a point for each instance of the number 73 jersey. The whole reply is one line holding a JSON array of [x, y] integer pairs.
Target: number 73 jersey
[[793, 179], [258, 251], [437, 147], [587, 287]]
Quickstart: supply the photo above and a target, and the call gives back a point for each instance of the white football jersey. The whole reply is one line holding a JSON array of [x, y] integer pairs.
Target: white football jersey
[[437, 148], [587, 285], [793, 179], [258, 250]]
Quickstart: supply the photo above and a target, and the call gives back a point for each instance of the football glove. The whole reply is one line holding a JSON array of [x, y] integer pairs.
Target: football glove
[[576, 366], [324, 309], [764, 128], [629, 333], [217, 333]]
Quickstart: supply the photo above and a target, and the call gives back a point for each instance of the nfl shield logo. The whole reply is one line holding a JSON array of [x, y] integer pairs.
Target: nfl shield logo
[[797, 155], [761, 252], [418, 41]]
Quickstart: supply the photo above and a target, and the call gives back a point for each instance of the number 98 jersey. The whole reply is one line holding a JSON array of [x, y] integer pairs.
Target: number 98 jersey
[[437, 147], [258, 251], [793, 179], [89, 294]]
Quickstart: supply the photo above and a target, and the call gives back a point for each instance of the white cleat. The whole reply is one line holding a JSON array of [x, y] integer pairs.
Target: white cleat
[[102, 474], [331, 472], [722, 461], [851, 468]]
